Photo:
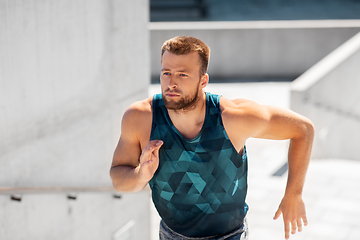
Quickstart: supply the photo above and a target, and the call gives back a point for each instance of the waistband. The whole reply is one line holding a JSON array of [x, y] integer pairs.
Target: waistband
[[165, 230]]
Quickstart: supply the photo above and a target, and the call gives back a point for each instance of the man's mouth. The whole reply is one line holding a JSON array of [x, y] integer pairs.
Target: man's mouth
[[172, 94]]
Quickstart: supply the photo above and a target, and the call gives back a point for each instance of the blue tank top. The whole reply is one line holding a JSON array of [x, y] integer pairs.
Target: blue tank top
[[200, 186]]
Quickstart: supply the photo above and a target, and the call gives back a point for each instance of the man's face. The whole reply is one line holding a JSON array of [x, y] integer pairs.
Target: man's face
[[180, 80]]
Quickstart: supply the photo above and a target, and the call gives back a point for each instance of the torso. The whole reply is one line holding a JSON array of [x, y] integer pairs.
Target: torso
[[200, 186]]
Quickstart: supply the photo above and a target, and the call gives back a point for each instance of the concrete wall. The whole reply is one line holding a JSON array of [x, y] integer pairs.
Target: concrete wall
[[329, 94], [94, 216], [277, 49], [68, 70]]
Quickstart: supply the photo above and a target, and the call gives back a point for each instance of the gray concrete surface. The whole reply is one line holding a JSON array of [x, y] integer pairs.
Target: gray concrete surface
[[74, 216], [68, 71], [331, 190], [328, 93], [258, 49]]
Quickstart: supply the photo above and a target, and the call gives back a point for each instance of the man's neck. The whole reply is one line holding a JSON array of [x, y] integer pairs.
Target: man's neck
[[189, 121]]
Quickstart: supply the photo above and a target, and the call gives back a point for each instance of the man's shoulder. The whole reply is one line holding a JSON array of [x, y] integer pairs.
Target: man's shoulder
[[242, 118], [243, 111], [238, 106], [141, 106], [139, 110]]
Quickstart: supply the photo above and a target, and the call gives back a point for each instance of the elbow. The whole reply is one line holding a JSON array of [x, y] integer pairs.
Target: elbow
[[116, 181], [307, 132], [121, 183], [310, 129]]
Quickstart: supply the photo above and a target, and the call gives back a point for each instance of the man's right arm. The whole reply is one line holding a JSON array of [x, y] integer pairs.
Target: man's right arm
[[133, 167]]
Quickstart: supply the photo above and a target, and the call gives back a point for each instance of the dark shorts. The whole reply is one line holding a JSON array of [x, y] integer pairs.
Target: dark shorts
[[241, 233]]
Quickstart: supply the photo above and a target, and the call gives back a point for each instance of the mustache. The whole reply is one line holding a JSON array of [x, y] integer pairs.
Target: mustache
[[172, 91]]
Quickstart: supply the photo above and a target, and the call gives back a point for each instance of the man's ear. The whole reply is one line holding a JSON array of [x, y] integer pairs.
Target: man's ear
[[204, 80]]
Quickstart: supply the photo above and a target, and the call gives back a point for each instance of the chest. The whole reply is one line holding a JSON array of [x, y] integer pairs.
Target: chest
[[187, 128]]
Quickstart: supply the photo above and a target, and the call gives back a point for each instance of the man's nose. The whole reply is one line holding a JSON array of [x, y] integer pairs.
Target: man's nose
[[172, 82]]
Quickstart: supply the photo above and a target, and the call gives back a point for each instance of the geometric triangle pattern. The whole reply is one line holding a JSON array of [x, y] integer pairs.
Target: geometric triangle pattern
[[200, 186]]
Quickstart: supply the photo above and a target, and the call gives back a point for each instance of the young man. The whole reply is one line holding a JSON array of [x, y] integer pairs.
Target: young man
[[190, 147]]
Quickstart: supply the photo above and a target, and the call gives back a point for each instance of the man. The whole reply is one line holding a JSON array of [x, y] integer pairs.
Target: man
[[190, 147]]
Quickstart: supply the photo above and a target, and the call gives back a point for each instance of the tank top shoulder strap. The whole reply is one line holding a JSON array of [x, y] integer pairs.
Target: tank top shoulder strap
[[213, 100], [159, 114], [156, 100]]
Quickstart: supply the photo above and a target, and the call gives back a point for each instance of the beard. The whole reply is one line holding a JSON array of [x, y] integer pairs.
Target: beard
[[184, 103]]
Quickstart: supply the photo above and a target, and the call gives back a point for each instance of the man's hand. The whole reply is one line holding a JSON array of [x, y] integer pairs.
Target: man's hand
[[149, 160], [293, 210]]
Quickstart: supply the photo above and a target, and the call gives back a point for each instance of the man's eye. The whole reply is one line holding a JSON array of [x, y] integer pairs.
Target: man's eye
[[183, 75], [166, 73]]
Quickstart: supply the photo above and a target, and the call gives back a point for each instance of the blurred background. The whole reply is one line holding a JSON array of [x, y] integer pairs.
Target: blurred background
[[249, 10], [69, 69]]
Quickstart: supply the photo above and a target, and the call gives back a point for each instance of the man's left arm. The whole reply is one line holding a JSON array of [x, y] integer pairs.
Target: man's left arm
[[285, 124]]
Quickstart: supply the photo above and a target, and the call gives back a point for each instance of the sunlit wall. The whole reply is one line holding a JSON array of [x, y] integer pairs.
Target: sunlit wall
[[68, 70]]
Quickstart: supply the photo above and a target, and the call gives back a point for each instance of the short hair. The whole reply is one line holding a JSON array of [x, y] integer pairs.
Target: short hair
[[184, 44]]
